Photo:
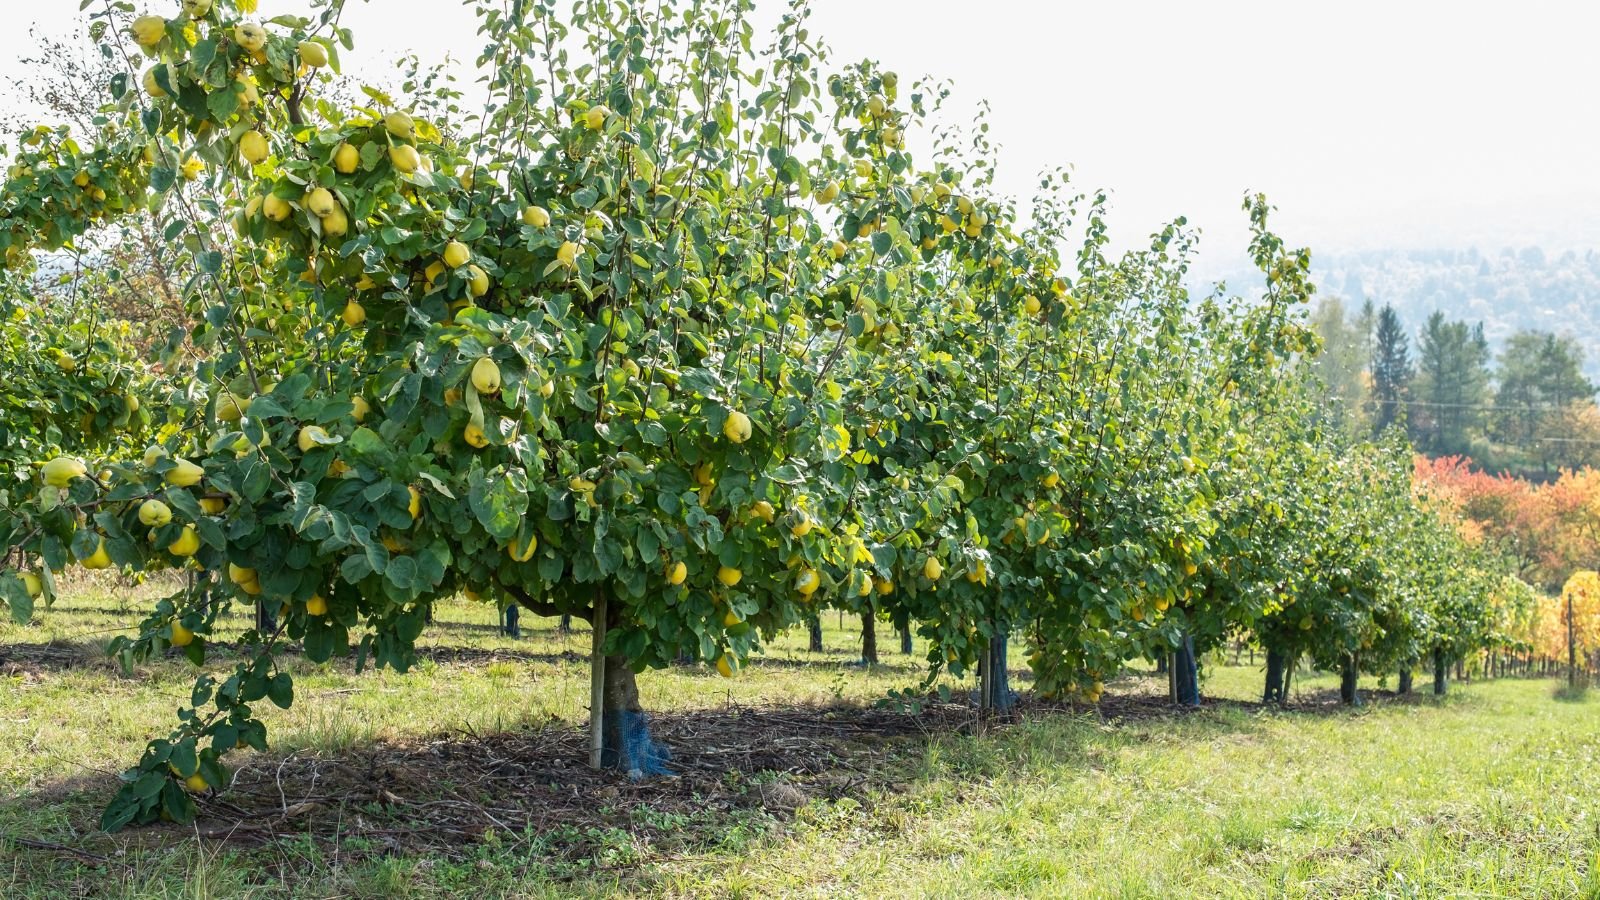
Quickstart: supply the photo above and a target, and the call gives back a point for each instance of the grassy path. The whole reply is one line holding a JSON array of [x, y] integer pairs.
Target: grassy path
[[1492, 793]]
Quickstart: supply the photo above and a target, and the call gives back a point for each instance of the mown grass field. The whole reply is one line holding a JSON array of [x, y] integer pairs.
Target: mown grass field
[[1494, 792]]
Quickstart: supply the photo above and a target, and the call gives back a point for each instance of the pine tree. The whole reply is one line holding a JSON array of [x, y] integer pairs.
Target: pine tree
[[1391, 369], [1451, 386]]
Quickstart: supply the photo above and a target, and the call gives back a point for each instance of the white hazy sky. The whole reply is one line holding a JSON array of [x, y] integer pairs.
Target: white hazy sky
[[1369, 124]]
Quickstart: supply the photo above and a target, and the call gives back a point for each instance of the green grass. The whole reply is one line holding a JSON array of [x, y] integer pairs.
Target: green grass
[[1491, 793]]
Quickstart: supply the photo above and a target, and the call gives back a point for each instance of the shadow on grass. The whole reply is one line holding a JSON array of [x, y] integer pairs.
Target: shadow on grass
[[738, 769], [1571, 693]]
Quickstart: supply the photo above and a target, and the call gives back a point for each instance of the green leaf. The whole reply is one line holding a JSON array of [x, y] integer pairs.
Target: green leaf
[[16, 596], [499, 499], [280, 690]]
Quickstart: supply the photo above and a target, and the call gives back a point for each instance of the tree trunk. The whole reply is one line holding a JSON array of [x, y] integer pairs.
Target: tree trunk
[[1348, 694], [509, 621], [628, 746], [905, 640], [1572, 648], [1277, 669], [1161, 664], [1186, 673], [995, 686], [814, 625], [566, 625], [1405, 680], [869, 638], [1440, 668]]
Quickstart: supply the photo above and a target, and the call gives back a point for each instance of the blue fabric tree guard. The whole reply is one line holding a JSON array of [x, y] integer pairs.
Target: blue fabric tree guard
[[1001, 697]]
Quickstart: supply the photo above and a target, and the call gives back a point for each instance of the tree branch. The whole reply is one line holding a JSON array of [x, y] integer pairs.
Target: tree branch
[[543, 607]]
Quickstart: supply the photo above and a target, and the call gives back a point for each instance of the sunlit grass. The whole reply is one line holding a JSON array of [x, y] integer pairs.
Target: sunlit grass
[[1489, 793]]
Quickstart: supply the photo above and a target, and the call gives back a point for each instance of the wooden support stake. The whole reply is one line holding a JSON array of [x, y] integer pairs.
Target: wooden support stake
[[597, 683]]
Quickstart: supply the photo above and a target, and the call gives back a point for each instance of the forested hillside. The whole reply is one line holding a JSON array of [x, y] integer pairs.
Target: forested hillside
[[1507, 290]]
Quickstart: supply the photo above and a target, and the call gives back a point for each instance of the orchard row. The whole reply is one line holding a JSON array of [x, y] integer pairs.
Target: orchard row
[[674, 335]]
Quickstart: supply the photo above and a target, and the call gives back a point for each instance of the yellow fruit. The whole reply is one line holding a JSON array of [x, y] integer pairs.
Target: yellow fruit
[[567, 254], [808, 582], [185, 474], [885, 586], [32, 584], [486, 376], [345, 159], [360, 408], [536, 216], [478, 281], [415, 505], [1052, 480], [187, 544], [335, 224], [594, 118], [320, 202], [231, 408], [866, 586], [456, 254], [524, 552], [99, 559], [148, 31], [313, 54], [802, 526], [729, 576], [828, 193], [196, 783], [863, 168], [1030, 305], [703, 475], [253, 147], [932, 569], [979, 574], [249, 36], [474, 436], [316, 606], [63, 470], [275, 208], [676, 573], [399, 124], [154, 513], [839, 249], [354, 313], [240, 575], [1190, 568], [761, 509], [725, 666], [731, 618], [736, 427], [81, 179], [312, 437], [151, 87], [405, 158], [876, 106], [196, 9], [181, 636], [212, 506], [547, 388]]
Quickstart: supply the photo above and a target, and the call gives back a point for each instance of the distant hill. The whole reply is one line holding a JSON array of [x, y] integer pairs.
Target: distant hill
[[1507, 290]]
